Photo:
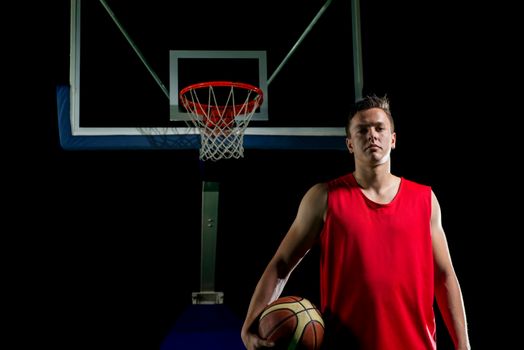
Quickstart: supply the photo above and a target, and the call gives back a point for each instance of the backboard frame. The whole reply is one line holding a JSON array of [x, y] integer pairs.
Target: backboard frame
[[256, 137]]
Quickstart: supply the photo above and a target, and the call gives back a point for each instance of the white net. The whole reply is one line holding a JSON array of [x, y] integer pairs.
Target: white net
[[221, 111]]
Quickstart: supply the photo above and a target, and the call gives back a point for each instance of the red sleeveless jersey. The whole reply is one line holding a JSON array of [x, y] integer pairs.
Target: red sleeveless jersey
[[376, 282]]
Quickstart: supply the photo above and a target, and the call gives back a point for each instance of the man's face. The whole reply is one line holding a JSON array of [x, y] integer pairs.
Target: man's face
[[370, 136]]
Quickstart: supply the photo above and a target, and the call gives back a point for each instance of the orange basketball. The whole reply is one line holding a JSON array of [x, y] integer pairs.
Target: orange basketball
[[293, 323]]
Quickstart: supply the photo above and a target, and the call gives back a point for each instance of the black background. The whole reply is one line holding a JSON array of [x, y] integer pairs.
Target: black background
[[102, 247]]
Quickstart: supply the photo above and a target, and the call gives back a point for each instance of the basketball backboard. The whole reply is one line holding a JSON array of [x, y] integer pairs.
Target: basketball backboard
[[194, 66], [130, 59]]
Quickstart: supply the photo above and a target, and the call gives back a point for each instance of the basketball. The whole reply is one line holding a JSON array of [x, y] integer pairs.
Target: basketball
[[292, 323]]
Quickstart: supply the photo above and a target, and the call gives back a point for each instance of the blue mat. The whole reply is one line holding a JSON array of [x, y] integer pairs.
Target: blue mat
[[205, 327]]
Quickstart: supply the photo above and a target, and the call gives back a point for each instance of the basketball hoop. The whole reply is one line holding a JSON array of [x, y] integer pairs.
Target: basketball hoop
[[221, 111]]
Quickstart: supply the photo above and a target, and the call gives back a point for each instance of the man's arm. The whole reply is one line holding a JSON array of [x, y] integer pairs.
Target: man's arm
[[299, 239], [447, 288]]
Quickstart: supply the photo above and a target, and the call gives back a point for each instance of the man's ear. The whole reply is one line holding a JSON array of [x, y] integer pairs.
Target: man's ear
[[393, 140], [349, 145]]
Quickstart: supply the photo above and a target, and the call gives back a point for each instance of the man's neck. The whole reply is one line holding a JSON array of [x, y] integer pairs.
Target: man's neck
[[373, 176], [380, 187], [376, 178]]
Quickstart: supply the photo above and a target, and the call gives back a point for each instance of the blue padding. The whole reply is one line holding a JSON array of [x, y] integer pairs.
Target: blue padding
[[69, 141], [205, 327]]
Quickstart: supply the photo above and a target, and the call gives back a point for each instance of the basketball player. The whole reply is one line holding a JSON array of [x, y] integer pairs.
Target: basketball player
[[383, 251]]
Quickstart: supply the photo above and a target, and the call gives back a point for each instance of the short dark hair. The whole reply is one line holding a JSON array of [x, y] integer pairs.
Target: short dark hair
[[368, 102]]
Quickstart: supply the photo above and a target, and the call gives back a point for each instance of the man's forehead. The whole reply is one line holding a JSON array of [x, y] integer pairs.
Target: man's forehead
[[369, 122], [370, 119]]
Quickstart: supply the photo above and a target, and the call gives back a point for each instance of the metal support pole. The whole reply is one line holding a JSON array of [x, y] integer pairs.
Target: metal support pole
[[207, 294], [358, 70]]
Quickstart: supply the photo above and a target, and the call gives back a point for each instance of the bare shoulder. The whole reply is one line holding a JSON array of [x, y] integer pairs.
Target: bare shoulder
[[317, 192], [314, 202], [436, 219], [319, 187], [434, 202]]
